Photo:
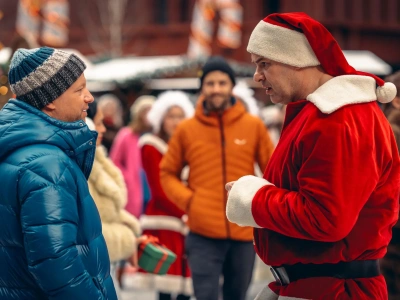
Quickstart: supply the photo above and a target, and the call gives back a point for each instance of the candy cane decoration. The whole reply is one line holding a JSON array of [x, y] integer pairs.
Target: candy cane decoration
[[55, 22], [229, 27], [28, 20], [229, 30]]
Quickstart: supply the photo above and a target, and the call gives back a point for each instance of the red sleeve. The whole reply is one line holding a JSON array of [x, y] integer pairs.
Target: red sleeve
[[339, 169], [151, 159]]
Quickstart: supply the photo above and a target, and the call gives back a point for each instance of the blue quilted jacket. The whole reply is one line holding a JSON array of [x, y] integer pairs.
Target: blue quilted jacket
[[51, 245]]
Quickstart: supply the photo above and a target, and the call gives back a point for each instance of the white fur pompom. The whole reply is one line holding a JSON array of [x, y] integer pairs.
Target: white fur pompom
[[386, 93]]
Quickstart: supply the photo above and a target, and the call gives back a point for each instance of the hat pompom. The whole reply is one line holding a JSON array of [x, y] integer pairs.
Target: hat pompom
[[386, 93]]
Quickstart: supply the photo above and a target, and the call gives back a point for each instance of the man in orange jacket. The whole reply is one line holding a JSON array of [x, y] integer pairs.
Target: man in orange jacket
[[221, 143]]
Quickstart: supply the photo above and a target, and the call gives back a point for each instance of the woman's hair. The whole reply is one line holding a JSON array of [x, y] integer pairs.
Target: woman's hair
[[92, 111], [137, 124]]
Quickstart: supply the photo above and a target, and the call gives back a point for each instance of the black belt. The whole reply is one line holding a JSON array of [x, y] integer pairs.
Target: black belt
[[343, 270]]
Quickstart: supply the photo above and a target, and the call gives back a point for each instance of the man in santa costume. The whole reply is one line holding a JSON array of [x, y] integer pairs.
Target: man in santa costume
[[323, 213]]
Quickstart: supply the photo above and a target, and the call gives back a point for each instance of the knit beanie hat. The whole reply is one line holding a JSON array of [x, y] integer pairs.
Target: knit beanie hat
[[297, 40], [217, 63], [39, 76]]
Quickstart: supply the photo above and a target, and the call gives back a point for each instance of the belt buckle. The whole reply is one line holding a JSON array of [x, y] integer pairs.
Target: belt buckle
[[280, 275]]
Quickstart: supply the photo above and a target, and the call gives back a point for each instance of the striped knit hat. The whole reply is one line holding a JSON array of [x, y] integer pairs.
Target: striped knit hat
[[39, 76]]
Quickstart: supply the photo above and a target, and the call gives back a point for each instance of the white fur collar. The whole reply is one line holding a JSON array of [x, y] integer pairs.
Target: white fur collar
[[107, 179], [343, 90], [153, 140]]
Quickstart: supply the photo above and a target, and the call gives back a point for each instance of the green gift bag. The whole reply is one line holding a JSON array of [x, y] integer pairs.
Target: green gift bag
[[154, 257]]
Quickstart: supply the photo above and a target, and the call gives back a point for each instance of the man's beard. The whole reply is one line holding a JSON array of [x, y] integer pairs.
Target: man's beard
[[221, 107]]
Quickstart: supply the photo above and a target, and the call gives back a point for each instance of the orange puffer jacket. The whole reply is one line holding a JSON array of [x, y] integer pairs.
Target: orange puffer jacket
[[217, 149]]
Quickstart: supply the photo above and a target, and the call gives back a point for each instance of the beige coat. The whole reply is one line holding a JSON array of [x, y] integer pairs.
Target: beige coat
[[108, 190]]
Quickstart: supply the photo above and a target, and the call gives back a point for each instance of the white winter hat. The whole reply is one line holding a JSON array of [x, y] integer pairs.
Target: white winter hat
[[164, 102]]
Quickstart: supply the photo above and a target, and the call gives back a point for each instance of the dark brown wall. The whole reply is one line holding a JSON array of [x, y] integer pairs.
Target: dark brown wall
[[162, 27]]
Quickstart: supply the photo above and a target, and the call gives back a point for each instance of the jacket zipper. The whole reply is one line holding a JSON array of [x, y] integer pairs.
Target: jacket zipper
[[221, 128]]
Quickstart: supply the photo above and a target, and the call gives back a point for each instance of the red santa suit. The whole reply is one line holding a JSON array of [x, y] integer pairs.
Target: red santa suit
[[163, 220], [330, 193], [324, 211]]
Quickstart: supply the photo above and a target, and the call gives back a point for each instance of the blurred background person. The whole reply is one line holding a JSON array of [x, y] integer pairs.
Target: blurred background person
[[112, 110], [125, 153], [273, 117], [162, 218], [390, 264], [246, 95], [220, 143], [107, 187]]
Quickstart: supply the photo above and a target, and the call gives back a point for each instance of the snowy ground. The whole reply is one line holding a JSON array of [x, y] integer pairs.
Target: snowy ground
[[261, 277]]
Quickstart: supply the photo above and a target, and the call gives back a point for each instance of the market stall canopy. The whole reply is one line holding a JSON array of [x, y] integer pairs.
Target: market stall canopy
[[364, 61], [367, 61], [106, 75], [154, 69], [125, 69]]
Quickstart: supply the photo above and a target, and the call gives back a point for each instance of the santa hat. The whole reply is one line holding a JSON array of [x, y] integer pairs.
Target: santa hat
[[297, 40], [164, 102]]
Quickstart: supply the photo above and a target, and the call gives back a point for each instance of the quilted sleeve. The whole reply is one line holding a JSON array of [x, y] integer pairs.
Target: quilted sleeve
[[49, 220], [170, 171]]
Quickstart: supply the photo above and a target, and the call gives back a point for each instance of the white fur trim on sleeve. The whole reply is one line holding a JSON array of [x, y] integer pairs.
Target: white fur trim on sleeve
[[238, 208]]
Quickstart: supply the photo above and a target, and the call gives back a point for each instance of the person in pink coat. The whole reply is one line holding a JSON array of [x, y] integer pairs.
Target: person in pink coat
[[125, 153]]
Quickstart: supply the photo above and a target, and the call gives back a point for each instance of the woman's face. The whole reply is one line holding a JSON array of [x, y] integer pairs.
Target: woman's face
[[172, 118], [99, 126]]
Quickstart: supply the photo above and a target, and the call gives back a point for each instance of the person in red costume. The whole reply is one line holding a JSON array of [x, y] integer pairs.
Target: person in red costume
[[162, 218], [324, 211]]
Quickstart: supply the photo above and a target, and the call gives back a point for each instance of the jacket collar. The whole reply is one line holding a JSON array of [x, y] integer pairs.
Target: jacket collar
[[343, 90], [31, 126], [228, 116], [153, 140]]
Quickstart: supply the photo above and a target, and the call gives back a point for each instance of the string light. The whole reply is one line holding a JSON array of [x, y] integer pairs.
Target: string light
[[3, 90]]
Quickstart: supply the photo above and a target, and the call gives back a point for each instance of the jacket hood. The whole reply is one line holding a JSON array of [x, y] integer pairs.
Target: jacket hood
[[22, 125], [229, 116]]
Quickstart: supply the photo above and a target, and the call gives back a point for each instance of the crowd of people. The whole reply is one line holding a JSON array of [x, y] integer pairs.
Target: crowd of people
[[310, 184]]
